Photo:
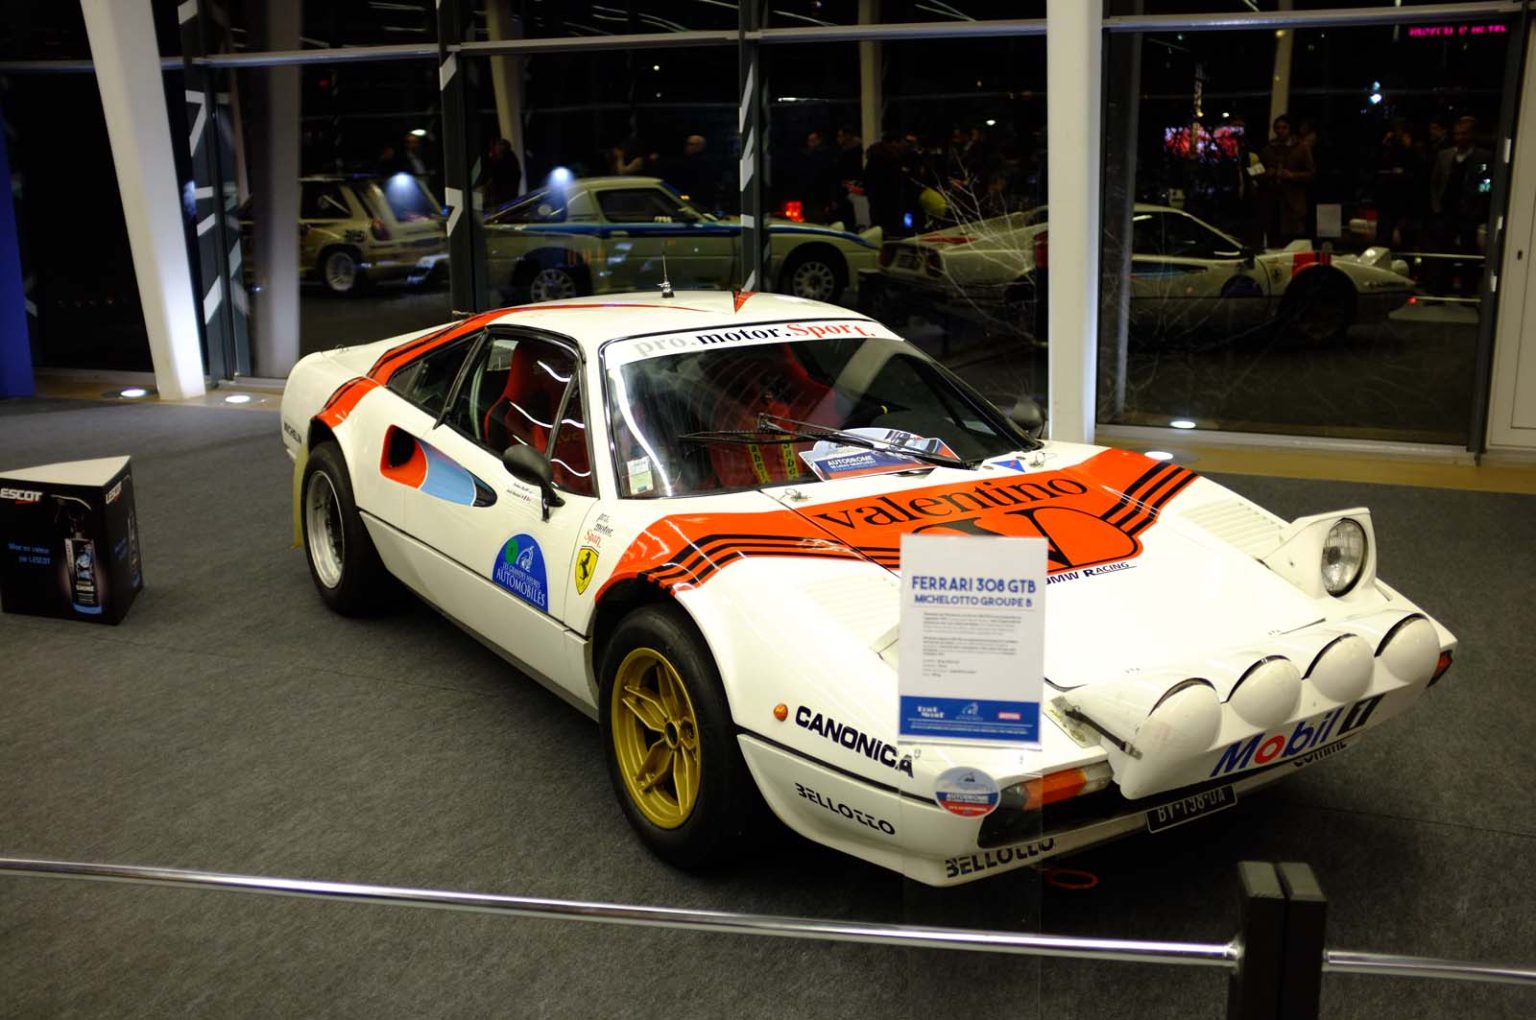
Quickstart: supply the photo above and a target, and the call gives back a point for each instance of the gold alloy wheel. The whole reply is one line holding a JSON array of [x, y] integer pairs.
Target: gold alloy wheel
[[656, 738]]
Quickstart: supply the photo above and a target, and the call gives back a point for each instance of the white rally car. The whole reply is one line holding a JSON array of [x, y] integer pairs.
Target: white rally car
[[611, 494], [1186, 276], [598, 235]]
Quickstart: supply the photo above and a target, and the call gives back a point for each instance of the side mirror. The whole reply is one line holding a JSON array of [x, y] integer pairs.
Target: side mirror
[[1027, 415], [529, 465]]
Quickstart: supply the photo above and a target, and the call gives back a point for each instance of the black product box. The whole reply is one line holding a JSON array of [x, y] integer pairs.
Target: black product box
[[69, 540]]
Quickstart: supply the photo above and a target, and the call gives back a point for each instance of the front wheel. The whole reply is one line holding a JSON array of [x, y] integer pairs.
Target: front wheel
[[667, 737], [342, 560]]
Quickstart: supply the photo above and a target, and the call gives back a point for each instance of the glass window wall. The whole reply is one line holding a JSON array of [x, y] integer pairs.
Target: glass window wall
[[1295, 228]]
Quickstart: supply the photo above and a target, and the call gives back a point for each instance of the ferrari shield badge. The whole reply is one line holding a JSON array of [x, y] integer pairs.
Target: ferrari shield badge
[[586, 566]]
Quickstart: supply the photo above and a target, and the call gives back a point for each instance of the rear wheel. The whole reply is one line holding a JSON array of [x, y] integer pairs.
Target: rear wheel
[[341, 271], [818, 273], [667, 737], [553, 283], [342, 560], [1319, 306]]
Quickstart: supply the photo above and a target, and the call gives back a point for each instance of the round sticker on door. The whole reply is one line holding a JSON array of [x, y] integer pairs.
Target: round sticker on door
[[969, 793]]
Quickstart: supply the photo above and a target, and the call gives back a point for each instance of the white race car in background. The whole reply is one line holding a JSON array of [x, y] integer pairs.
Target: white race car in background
[[1186, 277], [611, 494], [597, 235]]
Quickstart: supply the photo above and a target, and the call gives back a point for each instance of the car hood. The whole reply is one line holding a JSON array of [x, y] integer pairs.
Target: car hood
[[1134, 584]]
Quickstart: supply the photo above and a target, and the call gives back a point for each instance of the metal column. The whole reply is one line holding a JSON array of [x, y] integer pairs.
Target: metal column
[[210, 142], [126, 56], [461, 159], [1073, 58], [277, 202], [752, 122]]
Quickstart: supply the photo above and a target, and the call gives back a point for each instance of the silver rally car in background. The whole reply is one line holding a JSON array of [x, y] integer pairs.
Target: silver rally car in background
[[1186, 276]]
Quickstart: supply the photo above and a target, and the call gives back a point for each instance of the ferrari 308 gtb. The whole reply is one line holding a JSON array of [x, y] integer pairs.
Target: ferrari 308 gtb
[[683, 514]]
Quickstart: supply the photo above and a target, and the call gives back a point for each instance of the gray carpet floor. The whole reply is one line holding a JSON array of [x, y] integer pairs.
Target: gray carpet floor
[[232, 724]]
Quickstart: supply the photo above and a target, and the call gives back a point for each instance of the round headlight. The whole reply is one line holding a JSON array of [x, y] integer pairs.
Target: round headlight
[[1343, 556]]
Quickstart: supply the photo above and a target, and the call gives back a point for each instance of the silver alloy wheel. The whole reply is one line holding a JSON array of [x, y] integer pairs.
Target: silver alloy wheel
[[552, 283], [340, 271], [813, 279], [323, 533]]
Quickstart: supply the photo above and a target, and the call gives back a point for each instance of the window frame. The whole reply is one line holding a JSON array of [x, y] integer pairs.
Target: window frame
[[477, 344]]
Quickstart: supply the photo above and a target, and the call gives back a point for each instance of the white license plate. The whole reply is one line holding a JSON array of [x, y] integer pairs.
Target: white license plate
[[1166, 816]]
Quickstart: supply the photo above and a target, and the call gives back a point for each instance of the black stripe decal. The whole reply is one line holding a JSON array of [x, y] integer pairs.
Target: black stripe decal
[[1157, 507], [1147, 495], [1127, 496]]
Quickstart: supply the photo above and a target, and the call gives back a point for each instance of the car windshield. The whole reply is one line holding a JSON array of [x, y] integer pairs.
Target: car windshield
[[543, 206], [717, 419]]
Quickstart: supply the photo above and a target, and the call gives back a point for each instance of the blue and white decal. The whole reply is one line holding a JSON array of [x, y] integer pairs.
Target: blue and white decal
[[519, 568]]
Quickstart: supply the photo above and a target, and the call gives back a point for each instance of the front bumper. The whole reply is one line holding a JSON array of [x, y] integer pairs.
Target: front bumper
[[897, 824]]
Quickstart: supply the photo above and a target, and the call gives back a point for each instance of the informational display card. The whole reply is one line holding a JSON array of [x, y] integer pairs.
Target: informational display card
[[972, 638]]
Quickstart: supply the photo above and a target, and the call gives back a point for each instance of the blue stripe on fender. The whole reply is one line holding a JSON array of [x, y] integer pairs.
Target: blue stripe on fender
[[606, 230], [446, 479]]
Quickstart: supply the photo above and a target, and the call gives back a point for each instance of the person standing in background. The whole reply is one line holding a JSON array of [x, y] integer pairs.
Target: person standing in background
[[1459, 187], [503, 174], [1288, 170]]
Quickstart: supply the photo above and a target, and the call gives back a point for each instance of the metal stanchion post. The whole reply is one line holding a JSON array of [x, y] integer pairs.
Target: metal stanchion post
[[1254, 991], [1306, 910]]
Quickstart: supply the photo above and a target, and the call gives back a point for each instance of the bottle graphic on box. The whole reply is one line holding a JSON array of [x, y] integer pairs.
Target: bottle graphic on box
[[133, 550], [79, 557]]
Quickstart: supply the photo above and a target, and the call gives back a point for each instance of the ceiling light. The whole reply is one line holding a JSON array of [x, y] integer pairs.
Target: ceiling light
[[419, 132], [991, 123], [1181, 423]]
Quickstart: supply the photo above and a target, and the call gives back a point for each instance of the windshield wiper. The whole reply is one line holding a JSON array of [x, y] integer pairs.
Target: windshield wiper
[[809, 430]]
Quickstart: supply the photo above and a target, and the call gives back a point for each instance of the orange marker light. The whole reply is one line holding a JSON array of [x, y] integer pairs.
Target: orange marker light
[[781, 712]]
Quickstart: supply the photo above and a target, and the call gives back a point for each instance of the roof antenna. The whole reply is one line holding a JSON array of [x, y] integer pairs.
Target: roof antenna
[[666, 281]]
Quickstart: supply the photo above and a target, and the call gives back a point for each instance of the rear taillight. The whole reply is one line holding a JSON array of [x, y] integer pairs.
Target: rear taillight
[[1440, 667], [887, 254], [1043, 249], [935, 264], [1307, 259], [379, 230], [794, 211]]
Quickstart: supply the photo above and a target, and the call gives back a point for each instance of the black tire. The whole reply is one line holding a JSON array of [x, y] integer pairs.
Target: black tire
[[552, 273], [712, 828], [816, 272], [1319, 307], [342, 560], [340, 270]]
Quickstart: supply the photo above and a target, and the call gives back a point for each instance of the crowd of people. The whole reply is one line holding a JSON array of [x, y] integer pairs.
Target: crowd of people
[[911, 185]]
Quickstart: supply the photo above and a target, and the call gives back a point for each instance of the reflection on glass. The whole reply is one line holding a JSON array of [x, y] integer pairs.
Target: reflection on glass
[[946, 163], [1300, 251]]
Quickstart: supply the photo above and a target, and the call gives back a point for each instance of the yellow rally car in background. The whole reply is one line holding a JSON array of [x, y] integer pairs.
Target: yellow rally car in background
[[360, 229]]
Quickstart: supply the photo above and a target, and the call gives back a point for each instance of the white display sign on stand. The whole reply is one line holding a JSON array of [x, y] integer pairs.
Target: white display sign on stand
[[972, 638]]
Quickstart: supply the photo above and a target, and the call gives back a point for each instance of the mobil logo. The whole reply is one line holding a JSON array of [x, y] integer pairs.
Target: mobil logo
[[1266, 748]]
